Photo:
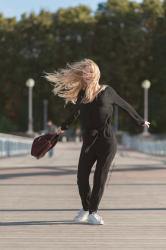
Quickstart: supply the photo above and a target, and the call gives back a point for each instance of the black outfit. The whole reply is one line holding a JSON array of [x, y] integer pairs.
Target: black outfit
[[99, 142]]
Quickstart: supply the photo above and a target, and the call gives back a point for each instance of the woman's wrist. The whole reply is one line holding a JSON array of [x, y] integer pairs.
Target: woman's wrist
[[59, 130], [146, 123]]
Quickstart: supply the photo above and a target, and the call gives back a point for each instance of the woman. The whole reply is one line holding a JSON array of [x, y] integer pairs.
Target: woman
[[79, 84]]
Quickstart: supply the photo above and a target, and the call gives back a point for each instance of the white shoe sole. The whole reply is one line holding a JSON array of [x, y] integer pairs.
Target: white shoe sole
[[80, 221], [95, 223]]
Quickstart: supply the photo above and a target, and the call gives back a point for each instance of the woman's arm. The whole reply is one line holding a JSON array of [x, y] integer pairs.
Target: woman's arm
[[126, 106], [73, 116]]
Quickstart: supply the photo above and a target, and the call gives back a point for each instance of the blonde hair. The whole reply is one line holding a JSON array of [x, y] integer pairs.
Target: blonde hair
[[69, 81]]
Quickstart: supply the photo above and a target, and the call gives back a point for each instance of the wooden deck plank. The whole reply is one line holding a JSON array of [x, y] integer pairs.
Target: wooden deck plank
[[39, 198]]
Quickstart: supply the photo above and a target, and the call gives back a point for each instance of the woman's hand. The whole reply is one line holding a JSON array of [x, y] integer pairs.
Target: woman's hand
[[59, 130], [146, 123]]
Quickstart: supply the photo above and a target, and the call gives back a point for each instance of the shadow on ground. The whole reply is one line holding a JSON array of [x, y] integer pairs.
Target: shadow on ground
[[66, 222], [69, 170]]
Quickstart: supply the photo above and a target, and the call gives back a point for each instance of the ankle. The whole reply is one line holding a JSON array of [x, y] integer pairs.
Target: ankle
[[86, 210], [92, 212]]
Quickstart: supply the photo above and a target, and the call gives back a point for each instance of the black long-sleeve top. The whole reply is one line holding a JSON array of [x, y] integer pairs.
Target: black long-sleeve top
[[93, 115]]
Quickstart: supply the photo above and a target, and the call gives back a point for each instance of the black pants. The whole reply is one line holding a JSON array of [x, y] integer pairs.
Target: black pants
[[103, 151]]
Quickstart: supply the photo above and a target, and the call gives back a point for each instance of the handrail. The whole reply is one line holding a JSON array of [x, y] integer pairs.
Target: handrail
[[11, 145], [143, 144]]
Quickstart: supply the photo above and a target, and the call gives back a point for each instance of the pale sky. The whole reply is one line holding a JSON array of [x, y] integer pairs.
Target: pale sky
[[11, 8]]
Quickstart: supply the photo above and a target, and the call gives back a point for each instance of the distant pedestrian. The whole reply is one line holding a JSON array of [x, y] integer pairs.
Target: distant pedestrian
[[78, 134], [51, 128]]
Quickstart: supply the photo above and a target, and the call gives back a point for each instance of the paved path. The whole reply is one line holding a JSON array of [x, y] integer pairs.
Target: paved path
[[39, 198]]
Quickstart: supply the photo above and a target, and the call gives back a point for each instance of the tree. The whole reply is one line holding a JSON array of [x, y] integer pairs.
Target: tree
[[126, 39]]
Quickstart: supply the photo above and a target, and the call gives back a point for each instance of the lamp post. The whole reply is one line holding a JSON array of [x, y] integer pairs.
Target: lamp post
[[30, 83], [45, 114], [146, 85]]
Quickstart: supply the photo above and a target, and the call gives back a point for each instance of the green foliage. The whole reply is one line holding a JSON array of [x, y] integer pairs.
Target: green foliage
[[74, 15], [7, 125], [127, 40]]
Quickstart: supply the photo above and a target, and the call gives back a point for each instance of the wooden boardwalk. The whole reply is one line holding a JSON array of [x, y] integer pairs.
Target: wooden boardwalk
[[39, 198]]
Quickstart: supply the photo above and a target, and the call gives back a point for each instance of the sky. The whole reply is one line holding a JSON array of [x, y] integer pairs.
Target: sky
[[11, 8]]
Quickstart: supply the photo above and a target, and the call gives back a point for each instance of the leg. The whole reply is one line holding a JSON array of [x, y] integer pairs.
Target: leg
[[86, 161], [100, 176], [50, 152]]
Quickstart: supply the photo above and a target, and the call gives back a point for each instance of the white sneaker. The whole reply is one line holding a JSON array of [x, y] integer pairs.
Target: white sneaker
[[82, 216], [95, 219]]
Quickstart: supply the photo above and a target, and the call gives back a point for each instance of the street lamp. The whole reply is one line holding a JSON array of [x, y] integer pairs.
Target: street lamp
[[30, 84], [146, 85], [45, 113]]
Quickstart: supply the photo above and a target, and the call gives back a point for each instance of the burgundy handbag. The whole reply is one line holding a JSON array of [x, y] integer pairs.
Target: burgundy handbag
[[43, 143]]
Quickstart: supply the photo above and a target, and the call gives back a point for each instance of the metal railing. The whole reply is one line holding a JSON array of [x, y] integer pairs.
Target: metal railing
[[11, 145], [145, 145]]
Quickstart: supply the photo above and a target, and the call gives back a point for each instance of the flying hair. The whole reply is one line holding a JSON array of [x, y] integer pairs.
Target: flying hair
[[68, 82]]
